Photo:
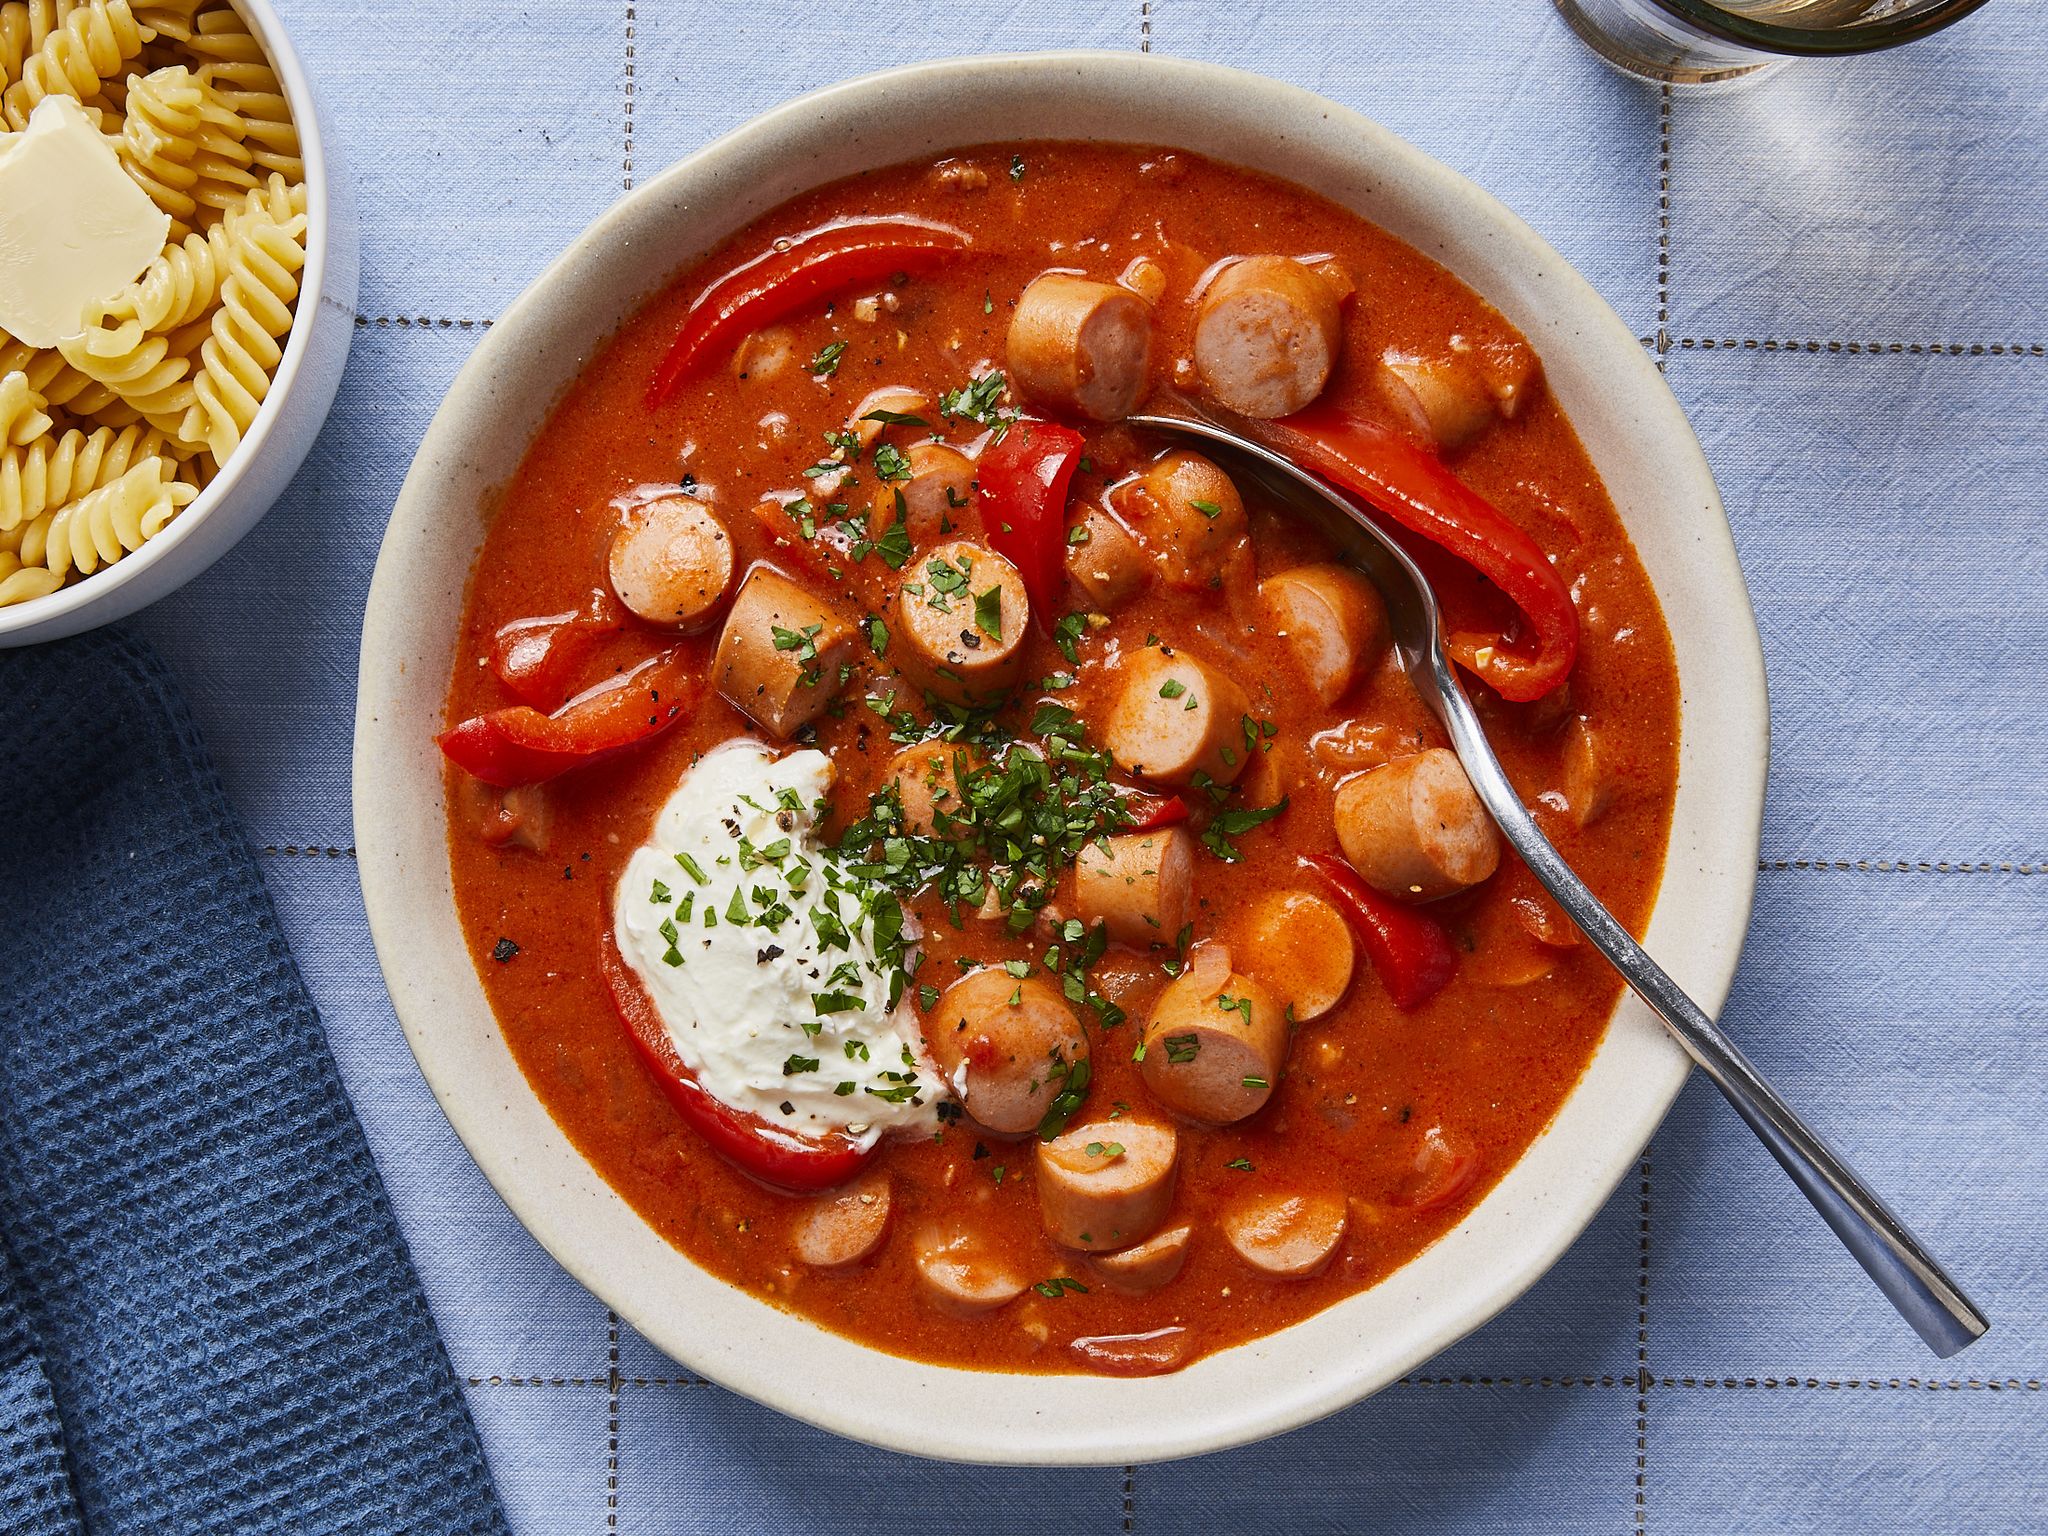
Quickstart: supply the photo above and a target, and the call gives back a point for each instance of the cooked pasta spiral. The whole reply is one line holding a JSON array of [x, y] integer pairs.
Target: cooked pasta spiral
[[107, 436], [160, 137], [238, 359], [96, 39], [21, 411], [101, 526], [238, 70], [53, 470]]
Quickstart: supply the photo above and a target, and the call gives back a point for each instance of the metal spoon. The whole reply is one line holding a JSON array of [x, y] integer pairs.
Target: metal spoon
[[1909, 1277]]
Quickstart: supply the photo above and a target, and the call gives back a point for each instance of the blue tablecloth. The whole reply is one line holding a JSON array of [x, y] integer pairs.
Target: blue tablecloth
[[1845, 270]]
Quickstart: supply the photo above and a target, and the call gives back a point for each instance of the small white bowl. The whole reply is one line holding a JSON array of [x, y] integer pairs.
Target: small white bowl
[[277, 443], [1639, 441]]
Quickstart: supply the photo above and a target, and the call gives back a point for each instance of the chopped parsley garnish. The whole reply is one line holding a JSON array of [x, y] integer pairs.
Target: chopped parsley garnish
[[1182, 1049], [1241, 1164], [826, 363], [796, 1064], [1231, 1004], [896, 419], [823, 1003], [1066, 633], [1216, 837], [1208, 509], [661, 893], [890, 464], [1172, 688], [894, 545], [1058, 1286], [1073, 1079], [988, 612], [977, 402], [1105, 1148]]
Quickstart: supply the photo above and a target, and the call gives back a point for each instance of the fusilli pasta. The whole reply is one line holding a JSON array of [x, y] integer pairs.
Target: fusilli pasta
[[97, 37], [106, 437]]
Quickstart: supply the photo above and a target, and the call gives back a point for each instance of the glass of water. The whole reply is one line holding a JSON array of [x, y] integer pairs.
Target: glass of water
[[1704, 42]]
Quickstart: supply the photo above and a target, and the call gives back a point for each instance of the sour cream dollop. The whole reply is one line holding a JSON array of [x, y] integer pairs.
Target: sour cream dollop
[[767, 957]]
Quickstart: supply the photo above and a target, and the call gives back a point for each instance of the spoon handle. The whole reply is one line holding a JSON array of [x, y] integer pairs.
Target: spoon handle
[[1907, 1274]]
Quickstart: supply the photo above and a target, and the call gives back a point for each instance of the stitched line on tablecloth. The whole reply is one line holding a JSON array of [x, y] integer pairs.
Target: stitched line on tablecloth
[[1130, 1484], [1144, 46], [419, 323], [631, 22], [611, 1461], [1664, 220], [1866, 348]]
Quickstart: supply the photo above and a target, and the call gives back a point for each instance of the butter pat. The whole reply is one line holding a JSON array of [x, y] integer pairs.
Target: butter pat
[[74, 230]]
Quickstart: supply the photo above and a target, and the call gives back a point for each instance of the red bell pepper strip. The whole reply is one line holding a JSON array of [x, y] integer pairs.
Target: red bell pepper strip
[[1412, 486], [539, 659], [1023, 481], [520, 745], [1149, 813], [781, 281], [767, 1152], [1411, 953]]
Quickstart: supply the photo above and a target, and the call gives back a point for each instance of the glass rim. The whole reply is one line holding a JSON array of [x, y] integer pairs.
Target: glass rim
[[1774, 37]]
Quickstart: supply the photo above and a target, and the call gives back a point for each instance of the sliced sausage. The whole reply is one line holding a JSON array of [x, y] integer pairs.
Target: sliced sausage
[[1189, 511], [1588, 787], [1082, 346], [1145, 1266], [1415, 827], [1215, 1043], [780, 652], [1443, 398], [1299, 944], [846, 1226], [1289, 1237], [1333, 621], [1152, 1353], [889, 400], [1106, 1184], [940, 488], [1005, 1045], [1267, 332], [671, 562], [927, 778], [1176, 717], [960, 1275], [961, 642], [1105, 561], [1140, 884]]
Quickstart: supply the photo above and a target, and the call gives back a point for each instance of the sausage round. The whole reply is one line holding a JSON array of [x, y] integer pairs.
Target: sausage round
[[1176, 717], [940, 487], [846, 1226], [1215, 1044], [1289, 1237], [1588, 789], [1444, 398], [927, 780], [1415, 827], [1106, 1184], [1082, 346], [1107, 563], [1005, 1060], [1189, 511], [1267, 332], [957, 640], [959, 1275], [772, 664], [1140, 884], [1144, 1266], [671, 562], [1299, 944], [1334, 623]]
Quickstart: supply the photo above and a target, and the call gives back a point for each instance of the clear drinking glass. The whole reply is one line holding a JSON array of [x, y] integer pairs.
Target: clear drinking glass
[[1704, 42]]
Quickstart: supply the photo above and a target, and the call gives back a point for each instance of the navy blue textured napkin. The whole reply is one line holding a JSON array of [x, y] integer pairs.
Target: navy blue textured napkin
[[208, 1321]]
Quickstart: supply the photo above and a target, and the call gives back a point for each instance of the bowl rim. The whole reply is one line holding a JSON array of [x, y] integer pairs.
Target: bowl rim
[[77, 596], [1246, 1393]]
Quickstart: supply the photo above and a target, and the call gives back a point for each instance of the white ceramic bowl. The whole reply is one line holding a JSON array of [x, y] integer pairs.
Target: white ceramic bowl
[[1637, 437], [283, 432]]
